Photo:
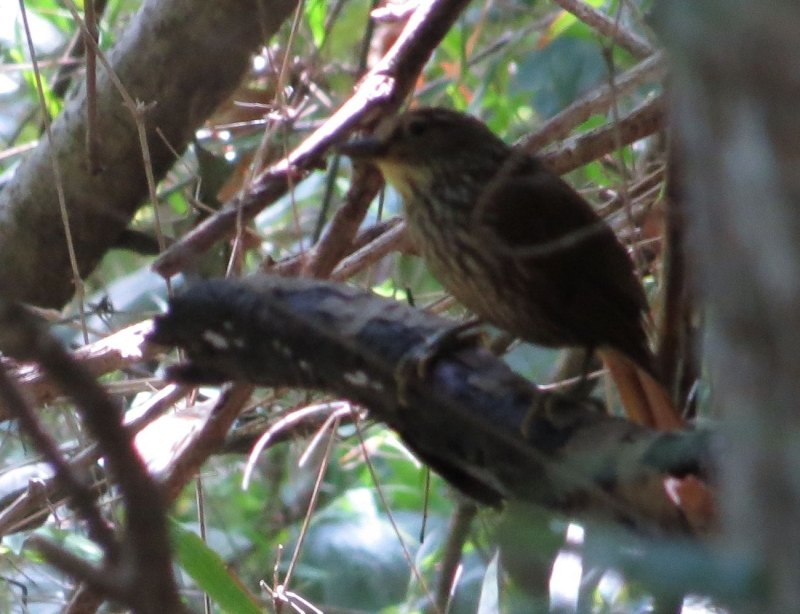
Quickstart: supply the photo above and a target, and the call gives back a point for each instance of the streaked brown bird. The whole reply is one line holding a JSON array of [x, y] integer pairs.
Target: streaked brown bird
[[518, 246]]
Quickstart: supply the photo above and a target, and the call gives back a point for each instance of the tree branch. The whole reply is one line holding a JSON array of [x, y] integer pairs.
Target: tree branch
[[207, 47], [598, 100], [137, 564], [573, 153], [488, 431], [114, 352], [608, 26]]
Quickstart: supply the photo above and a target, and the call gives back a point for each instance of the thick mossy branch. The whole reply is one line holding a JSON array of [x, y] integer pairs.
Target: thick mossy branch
[[487, 430]]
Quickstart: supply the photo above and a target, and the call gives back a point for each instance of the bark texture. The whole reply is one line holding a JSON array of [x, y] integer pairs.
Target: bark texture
[[466, 414], [179, 57]]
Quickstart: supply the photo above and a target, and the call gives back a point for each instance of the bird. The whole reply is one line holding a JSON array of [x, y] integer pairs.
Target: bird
[[518, 246]]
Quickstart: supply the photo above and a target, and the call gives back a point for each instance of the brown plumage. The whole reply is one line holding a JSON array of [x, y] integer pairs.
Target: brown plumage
[[518, 246]]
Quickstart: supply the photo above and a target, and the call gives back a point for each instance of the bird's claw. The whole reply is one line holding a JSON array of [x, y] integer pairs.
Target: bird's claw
[[414, 365]]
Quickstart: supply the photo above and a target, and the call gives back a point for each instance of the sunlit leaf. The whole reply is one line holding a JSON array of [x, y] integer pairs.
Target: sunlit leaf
[[390, 290], [211, 574], [316, 11]]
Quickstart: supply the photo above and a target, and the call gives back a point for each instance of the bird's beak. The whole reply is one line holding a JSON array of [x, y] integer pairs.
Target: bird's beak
[[365, 148]]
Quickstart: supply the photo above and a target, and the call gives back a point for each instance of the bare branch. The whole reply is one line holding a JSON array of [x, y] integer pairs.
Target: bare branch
[[367, 181], [599, 100], [608, 26], [116, 351], [582, 149]]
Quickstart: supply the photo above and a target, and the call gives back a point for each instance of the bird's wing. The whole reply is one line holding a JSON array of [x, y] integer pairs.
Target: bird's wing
[[544, 222]]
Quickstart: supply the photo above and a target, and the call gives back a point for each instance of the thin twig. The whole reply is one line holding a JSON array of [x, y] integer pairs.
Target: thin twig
[[643, 121], [457, 533], [261, 151], [83, 498], [293, 265], [333, 171], [393, 240], [58, 179], [137, 110], [327, 197], [92, 138], [365, 184], [607, 26], [312, 504], [398, 533], [624, 185], [597, 101]]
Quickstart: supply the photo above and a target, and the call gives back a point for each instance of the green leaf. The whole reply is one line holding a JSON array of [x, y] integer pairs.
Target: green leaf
[[210, 573], [315, 11], [388, 289]]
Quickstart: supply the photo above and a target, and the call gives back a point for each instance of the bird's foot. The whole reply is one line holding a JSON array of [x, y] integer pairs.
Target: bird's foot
[[414, 365], [541, 404]]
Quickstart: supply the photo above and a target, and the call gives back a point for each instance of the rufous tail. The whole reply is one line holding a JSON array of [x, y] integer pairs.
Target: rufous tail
[[644, 399]]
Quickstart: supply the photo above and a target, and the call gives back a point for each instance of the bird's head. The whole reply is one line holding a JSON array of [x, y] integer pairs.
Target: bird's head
[[419, 146]]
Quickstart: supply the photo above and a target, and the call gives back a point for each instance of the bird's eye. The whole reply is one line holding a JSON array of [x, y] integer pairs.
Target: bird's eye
[[417, 127]]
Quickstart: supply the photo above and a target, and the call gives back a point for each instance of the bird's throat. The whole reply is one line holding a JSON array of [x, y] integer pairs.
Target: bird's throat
[[408, 180]]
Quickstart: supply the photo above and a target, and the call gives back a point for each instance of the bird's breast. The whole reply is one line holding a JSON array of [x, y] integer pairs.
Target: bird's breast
[[486, 283]]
